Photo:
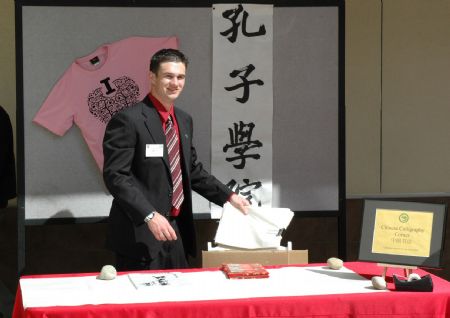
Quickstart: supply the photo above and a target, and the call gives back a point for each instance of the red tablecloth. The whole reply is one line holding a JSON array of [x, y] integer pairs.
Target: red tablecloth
[[393, 304]]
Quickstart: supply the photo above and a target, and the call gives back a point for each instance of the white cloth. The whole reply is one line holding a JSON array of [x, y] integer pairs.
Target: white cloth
[[192, 286], [260, 228]]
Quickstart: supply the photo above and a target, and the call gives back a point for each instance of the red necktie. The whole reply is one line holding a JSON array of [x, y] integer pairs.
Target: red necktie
[[174, 161]]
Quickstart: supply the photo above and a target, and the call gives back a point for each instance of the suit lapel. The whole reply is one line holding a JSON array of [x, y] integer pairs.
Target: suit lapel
[[154, 127]]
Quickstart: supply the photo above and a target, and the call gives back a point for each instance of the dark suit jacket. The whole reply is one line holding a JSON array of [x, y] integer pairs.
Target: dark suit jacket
[[141, 184]]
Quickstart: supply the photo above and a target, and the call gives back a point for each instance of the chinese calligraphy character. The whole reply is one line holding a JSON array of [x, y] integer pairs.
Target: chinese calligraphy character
[[241, 141], [233, 15], [246, 189], [245, 83]]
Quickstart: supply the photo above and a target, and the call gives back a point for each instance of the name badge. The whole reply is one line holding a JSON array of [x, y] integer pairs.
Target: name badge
[[152, 150]]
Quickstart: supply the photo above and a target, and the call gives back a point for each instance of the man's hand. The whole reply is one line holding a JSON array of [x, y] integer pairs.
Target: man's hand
[[161, 228], [239, 203]]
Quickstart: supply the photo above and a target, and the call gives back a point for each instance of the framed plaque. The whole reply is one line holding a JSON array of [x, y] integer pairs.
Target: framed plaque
[[403, 233]]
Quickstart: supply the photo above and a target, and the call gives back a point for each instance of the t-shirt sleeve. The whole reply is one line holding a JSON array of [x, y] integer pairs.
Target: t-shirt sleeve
[[56, 113]]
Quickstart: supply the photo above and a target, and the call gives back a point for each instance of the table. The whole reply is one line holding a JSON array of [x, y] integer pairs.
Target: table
[[364, 304]]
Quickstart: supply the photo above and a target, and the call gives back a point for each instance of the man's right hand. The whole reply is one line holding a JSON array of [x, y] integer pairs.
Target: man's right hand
[[161, 228]]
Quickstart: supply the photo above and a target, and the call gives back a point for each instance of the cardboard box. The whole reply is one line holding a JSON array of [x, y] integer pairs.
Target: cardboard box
[[264, 257]]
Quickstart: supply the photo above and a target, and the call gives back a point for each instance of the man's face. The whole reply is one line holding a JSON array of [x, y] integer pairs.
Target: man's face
[[168, 83]]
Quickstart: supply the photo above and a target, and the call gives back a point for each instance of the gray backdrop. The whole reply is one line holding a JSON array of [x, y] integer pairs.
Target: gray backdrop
[[61, 178]]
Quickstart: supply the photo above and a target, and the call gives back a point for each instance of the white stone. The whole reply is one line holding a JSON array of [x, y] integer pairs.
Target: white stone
[[378, 282], [335, 263], [108, 272]]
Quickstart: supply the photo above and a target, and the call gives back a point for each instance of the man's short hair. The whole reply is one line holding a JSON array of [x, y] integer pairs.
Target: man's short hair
[[167, 55]]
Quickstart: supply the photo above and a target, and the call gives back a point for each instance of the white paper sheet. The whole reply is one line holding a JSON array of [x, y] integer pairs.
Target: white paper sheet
[[260, 228], [155, 280]]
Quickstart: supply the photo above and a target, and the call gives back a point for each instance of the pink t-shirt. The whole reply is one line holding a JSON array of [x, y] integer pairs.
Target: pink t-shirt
[[97, 86]]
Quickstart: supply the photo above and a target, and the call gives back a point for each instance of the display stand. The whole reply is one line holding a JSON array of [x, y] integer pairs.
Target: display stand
[[407, 269]]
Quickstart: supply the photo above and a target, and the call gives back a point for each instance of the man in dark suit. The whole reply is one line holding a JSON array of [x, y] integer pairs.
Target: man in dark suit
[[150, 168]]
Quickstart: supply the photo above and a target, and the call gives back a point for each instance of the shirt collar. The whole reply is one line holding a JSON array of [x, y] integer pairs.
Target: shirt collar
[[163, 113]]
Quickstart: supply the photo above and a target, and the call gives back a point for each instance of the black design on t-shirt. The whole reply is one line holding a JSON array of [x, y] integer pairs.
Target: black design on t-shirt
[[104, 107], [109, 89]]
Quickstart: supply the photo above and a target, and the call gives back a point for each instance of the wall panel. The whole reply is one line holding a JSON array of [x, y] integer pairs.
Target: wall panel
[[416, 95]]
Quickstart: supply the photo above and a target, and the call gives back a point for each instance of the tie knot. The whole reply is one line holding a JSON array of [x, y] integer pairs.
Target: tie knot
[[169, 122]]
